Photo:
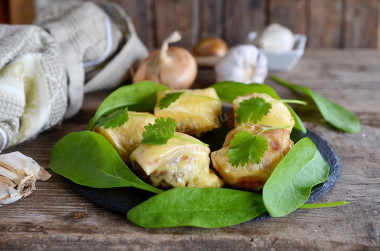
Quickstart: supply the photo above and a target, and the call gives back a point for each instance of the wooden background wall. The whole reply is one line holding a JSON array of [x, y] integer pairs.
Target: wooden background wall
[[327, 23]]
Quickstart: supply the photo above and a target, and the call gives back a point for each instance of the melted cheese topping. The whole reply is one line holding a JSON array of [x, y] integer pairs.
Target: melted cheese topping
[[193, 111], [178, 163], [278, 115], [127, 138]]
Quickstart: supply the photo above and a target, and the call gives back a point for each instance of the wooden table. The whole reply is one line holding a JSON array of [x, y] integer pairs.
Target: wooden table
[[55, 217]]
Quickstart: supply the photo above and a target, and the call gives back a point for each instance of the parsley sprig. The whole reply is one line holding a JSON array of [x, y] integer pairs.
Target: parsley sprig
[[245, 147], [254, 109], [113, 120], [161, 131]]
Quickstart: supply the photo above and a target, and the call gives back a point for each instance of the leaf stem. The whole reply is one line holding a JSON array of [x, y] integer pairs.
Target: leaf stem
[[272, 128], [327, 204], [288, 101], [190, 140]]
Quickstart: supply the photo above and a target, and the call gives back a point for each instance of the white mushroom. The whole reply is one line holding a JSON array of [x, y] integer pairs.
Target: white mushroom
[[275, 37], [18, 175], [242, 63]]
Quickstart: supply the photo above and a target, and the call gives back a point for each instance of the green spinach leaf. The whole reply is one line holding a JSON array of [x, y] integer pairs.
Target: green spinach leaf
[[199, 207], [228, 91], [290, 184], [88, 159], [333, 113], [140, 96]]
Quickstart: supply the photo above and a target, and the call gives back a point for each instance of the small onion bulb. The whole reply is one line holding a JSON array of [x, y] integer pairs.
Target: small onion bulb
[[242, 63], [211, 46], [275, 37], [171, 66]]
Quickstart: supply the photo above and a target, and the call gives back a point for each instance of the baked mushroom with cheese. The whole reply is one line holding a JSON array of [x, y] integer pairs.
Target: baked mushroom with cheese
[[182, 162], [126, 138], [252, 176], [278, 115], [195, 111]]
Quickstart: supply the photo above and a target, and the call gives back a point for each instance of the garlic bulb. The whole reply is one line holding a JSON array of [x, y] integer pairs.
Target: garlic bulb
[[275, 37], [243, 63], [171, 66], [18, 175]]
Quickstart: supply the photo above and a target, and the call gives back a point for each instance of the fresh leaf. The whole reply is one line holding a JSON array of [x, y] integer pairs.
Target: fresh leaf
[[253, 110], [140, 96], [228, 91], [160, 132], [199, 207], [88, 159], [289, 185], [169, 98], [333, 113], [113, 120], [325, 205], [245, 147]]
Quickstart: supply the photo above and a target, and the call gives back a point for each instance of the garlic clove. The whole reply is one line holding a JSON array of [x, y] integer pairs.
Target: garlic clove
[[275, 37], [242, 63], [18, 175]]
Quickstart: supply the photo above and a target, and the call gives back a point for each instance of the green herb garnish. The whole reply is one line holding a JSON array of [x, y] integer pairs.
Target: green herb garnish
[[113, 120], [169, 98], [245, 147], [333, 113], [253, 110], [161, 131]]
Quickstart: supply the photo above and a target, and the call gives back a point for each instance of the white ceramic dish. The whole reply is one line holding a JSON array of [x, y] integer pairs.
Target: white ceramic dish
[[280, 60]]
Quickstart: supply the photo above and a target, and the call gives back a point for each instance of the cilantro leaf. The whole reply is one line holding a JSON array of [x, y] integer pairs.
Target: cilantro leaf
[[253, 109], [245, 147], [160, 132], [169, 98], [113, 120]]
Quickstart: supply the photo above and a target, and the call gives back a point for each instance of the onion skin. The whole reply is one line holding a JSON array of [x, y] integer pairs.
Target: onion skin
[[211, 46], [175, 68]]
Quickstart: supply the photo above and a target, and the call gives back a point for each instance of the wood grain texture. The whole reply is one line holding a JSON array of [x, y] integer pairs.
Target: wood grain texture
[[174, 15], [142, 14], [290, 13], [56, 218], [326, 23], [361, 27], [241, 17], [210, 18]]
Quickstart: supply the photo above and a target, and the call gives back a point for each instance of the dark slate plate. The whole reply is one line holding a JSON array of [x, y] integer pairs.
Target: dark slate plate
[[123, 199]]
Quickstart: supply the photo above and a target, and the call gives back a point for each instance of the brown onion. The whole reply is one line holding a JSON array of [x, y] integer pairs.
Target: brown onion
[[171, 66], [211, 46]]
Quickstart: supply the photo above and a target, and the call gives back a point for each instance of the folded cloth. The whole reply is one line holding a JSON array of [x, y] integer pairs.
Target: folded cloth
[[44, 71]]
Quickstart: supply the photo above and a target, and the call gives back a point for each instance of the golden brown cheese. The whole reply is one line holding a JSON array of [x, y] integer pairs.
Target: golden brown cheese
[[252, 176], [278, 115], [195, 111], [178, 163], [127, 138]]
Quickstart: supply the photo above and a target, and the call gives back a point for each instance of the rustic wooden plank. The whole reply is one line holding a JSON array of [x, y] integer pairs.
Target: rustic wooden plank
[[142, 14], [241, 17], [210, 18], [290, 13], [4, 15], [181, 15], [326, 23], [21, 11], [361, 24]]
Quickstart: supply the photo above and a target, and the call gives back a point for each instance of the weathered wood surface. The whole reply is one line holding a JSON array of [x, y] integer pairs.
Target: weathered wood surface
[[56, 218]]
